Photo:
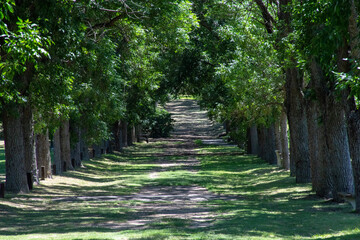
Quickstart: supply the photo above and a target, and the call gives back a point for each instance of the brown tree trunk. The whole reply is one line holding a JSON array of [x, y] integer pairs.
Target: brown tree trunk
[[278, 145], [29, 143], [117, 136], [277, 135], [319, 156], [76, 148], [84, 154], [299, 146], [262, 141], [338, 147], [267, 144], [16, 180], [354, 115], [138, 133], [57, 153], [130, 135], [43, 154], [295, 107], [336, 153], [65, 146], [124, 128], [254, 140], [271, 145], [354, 130], [284, 142]]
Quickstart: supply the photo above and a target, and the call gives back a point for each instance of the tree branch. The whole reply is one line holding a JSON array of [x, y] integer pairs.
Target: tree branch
[[268, 18]]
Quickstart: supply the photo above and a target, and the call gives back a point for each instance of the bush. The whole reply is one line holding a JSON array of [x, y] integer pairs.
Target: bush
[[159, 124]]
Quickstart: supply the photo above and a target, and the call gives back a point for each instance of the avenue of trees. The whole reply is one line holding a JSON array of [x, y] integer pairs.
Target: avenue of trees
[[88, 73]]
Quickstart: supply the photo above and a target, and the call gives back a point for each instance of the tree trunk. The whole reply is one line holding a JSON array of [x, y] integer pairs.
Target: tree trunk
[[65, 146], [262, 141], [29, 143], [124, 128], [84, 154], [117, 136], [76, 148], [267, 140], [254, 140], [299, 146], [57, 153], [319, 158], [277, 133], [138, 133], [96, 150], [335, 144], [130, 135], [16, 180], [284, 142], [354, 130], [354, 116], [271, 144], [43, 153], [338, 147]]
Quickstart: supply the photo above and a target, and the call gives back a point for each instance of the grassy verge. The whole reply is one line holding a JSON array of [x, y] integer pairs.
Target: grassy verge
[[266, 203]]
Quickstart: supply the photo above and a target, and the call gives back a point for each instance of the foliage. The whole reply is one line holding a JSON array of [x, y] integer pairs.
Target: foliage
[[159, 124]]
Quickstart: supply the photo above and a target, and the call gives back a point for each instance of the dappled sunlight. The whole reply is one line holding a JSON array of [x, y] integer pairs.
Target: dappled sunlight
[[154, 191]]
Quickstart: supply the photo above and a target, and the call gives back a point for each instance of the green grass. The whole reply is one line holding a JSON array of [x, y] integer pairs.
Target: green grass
[[266, 203]]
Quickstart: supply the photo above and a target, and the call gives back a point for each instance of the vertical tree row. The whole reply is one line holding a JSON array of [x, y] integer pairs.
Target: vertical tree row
[[254, 61], [70, 76]]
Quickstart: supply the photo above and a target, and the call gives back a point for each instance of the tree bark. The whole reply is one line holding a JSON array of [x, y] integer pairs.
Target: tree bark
[[43, 153], [319, 156], [138, 133], [29, 143], [295, 107], [117, 136], [338, 147], [124, 128], [57, 153], [76, 148], [267, 144], [254, 140], [262, 141], [284, 142], [84, 154], [271, 145], [65, 145], [299, 146], [333, 144], [16, 180], [354, 115], [354, 130], [96, 150], [130, 135]]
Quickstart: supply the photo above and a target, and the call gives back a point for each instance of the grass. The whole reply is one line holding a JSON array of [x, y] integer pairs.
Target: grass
[[266, 203]]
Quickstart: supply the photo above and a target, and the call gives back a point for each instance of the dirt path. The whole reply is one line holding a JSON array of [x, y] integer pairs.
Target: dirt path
[[179, 202], [156, 204]]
